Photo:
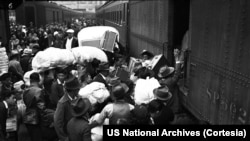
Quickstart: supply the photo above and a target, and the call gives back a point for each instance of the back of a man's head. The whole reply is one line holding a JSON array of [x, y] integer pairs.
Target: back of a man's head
[[34, 77], [118, 92]]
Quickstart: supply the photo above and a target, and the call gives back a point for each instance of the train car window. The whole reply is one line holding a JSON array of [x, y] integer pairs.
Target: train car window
[[115, 16], [124, 11], [120, 20], [53, 16], [111, 16], [57, 14], [119, 17], [108, 16]]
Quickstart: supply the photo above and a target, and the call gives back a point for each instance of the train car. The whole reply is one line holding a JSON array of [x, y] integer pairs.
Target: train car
[[114, 13], [100, 15], [141, 29], [215, 37], [42, 12]]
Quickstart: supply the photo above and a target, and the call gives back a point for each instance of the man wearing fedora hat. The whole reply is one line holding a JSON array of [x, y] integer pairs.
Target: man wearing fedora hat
[[78, 127], [103, 72], [169, 76], [63, 111], [159, 111], [71, 41]]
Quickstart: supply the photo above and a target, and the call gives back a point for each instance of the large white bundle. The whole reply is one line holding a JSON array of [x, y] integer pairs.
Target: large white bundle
[[97, 132], [52, 57], [144, 90], [88, 53], [95, 33], [4, 61], [95, 92], [41, 62]]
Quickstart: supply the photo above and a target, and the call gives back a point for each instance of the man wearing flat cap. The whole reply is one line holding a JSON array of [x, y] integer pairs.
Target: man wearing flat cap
[[71, 41]]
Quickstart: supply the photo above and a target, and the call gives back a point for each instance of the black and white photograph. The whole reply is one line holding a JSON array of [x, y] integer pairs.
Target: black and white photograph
[[98, 70]]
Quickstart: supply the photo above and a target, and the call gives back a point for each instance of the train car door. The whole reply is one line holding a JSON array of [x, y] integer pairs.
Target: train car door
[[219, 86], [179, 39]]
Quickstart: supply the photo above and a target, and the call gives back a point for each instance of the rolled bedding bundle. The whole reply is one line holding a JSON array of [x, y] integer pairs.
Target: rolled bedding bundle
[[52, 58]]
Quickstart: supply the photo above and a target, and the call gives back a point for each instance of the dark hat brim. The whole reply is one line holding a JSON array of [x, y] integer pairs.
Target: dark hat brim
[[160, 98], [171, 71], [145, 52], [73, 88], [71, 85], [84, 110]]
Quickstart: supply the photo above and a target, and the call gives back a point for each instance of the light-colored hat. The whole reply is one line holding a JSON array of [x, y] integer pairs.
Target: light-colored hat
[[162, 93], [70, 31], [27, 51], [55, 33], [165, 71]]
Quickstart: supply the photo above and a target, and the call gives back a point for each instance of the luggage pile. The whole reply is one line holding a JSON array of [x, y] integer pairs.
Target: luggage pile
[[103, 37], [88, 53], [4, 61], [54, 57]]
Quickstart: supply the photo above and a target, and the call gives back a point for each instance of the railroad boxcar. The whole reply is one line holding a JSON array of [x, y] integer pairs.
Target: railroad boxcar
[[42, 13], [218, 77]]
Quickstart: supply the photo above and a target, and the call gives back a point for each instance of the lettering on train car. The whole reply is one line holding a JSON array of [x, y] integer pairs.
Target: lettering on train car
[[242, 115], [225, 105]]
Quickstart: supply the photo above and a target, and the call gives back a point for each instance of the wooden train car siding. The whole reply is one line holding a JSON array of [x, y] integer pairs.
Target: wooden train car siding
[[44, 13], [148, 31], [5, 32], [220, 76], [41, 20]]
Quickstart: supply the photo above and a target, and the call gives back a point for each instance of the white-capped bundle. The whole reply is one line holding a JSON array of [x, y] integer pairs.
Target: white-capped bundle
[[26, 77], [84, 54], [144, 90], [4, 61], [51, 58], [95, 35], [95, 92]]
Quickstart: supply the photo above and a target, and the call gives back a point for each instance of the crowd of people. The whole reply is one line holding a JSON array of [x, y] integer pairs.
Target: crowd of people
[[54, 106]]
